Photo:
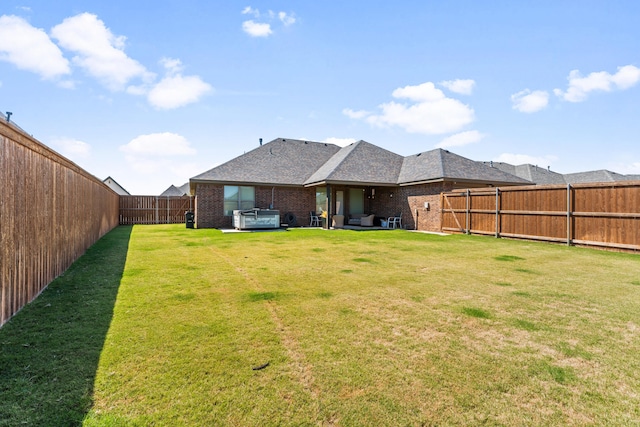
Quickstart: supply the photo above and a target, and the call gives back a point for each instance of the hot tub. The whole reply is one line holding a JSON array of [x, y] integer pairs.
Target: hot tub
[[256, 219]]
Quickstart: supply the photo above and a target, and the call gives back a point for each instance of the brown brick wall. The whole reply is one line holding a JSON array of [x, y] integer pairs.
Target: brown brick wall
[[386, 202], [209, 204], [410, 202]]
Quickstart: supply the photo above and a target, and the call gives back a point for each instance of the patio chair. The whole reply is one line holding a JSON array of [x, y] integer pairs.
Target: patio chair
[[367, 221], [315, 220], [395, 221]]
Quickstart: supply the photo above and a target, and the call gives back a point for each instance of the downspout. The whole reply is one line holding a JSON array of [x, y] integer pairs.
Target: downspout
[[272, 197]]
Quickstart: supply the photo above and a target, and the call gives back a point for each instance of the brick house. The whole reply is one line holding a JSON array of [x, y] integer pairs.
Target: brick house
[[298, 177]]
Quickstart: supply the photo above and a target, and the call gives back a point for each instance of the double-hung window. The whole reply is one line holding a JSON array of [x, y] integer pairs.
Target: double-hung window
[[238, 197]]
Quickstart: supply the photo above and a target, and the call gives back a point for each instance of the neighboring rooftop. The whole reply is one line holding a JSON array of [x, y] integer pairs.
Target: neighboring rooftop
[[115, 186], [183, 190], [542, 176]]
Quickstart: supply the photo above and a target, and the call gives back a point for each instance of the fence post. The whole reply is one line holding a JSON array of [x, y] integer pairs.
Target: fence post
[[568, 214], [497, 213], [468, 213]]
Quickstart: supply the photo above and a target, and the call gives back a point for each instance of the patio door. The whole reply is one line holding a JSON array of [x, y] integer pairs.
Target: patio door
[[356, 201]]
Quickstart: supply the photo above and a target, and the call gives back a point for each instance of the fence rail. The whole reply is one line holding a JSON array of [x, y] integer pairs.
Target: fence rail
[[51, 211], [154, 209], [602, 214]]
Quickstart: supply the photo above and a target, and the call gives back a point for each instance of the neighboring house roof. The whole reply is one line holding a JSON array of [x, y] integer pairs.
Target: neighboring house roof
[[530, 172], [362, 163], [279, 162], [542, 176], [441, 165], [296, 162], [115, 186], [594, 176], [183, 190]]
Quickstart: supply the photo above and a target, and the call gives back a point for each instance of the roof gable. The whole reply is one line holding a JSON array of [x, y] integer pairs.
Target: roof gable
[[175, 191], [115, 186], [362, 163]]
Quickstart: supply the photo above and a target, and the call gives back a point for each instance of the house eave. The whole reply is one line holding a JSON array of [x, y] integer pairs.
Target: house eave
[[244, 183], [350, 183], [463, 181]]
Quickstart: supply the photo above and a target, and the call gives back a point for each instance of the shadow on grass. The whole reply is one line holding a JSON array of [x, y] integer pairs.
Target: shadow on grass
[[49, 351]]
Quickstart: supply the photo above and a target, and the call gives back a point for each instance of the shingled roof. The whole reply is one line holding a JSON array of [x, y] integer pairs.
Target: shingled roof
[[359, 163], [530, 172], [183, 190], [278, 162], [601, 175], [542, 176], [441, 165], [292, 162]]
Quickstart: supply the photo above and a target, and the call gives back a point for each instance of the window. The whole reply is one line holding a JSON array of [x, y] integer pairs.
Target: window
[[236, 197], [321, 199]]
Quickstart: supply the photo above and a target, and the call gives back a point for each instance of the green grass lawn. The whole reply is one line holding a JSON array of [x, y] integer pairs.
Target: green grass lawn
[[355, 328]]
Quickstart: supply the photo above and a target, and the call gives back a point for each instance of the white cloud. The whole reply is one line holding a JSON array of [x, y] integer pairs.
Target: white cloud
[[72, 148], [527, 101], [99, 51], [251, 11], [579, 86], [30, 48], [256, 29], [355, 114], [519, 159], [264, 29], [463, 87], [286, 19], [341, 142], [176, 90], [431, 113], [460, 139], [158, 144]]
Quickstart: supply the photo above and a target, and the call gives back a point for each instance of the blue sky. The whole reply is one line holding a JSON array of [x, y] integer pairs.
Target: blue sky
[[152, 93]]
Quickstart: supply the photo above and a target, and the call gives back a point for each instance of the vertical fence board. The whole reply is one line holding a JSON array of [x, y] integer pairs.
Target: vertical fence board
[[154, 209], [51, 211]]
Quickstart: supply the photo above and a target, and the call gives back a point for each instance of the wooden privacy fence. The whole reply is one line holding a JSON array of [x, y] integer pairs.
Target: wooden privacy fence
[[51, 211], [601, 214], [154, 209]]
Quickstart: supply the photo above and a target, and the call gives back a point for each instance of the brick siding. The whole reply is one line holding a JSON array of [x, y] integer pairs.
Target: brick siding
[[210, 204]]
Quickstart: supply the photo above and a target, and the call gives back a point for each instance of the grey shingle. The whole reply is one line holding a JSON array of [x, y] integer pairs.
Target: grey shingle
[[278, 162], [441, 164], [601, 175], [176, 191], [529, 172], [362, 163]]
